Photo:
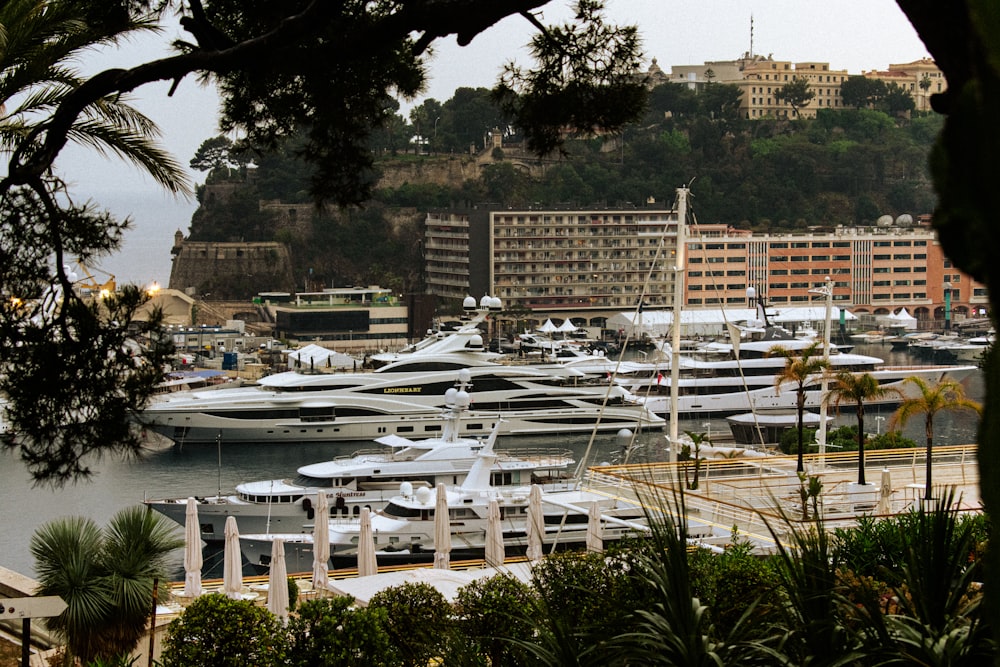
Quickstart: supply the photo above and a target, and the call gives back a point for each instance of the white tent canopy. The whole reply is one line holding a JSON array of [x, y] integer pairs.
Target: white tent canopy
[[316, 356], [902, 319], [548, 327], [567, 326], [712, 321]]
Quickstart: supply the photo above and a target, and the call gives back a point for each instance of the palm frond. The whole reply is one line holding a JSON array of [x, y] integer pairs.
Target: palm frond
[[137, 149]]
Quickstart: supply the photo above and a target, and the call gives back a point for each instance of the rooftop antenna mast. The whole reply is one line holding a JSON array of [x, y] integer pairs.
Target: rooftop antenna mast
[[751, 36]]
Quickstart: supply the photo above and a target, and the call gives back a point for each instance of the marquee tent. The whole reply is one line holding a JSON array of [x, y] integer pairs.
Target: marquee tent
[[316, 356]]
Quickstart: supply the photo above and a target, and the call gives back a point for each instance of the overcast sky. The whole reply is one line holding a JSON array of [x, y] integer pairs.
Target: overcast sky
[[856, 35]]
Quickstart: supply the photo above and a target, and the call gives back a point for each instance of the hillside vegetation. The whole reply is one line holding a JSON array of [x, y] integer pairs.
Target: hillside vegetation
[[844, 167]]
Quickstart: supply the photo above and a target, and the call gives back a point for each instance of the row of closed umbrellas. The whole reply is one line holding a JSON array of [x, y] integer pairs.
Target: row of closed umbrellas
[[367, 563]]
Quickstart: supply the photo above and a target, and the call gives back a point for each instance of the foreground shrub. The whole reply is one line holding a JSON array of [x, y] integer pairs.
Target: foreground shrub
[[329, 632], [417, 620], [215, 631]]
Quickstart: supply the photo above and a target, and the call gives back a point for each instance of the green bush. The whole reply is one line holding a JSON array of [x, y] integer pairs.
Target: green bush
[[490, 624], [215, 631], [730, 582], [417, 619], [789, 443], [889, 440], [331, 632]]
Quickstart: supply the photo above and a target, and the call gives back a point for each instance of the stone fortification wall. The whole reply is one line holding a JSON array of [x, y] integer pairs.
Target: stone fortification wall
[[440, 170], [211, 270]]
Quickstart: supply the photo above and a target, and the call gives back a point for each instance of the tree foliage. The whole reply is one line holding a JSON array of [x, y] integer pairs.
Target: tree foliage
[[796, 94], [332, 632], [327, 70], [584, 81], [216, 631], [417, 620]]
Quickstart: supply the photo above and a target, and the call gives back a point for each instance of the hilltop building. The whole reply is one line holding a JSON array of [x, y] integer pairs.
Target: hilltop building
[[759, 78]]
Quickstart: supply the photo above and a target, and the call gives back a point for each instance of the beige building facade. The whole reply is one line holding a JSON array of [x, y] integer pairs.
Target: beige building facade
[[759, 78]]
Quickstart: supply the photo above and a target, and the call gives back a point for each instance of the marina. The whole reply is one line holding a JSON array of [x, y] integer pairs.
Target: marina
[[215, 469]]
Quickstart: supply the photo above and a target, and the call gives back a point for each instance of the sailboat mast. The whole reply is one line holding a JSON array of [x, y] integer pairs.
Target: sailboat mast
[[675, 340]]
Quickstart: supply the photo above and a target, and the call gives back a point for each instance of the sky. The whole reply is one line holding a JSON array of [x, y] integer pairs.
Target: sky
[[856, 35]]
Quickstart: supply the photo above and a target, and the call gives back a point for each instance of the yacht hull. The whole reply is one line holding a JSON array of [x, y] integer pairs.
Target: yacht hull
[[764, 397]]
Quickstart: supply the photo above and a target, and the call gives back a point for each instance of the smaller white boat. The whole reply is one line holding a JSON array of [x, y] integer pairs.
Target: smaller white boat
[[766, 428]]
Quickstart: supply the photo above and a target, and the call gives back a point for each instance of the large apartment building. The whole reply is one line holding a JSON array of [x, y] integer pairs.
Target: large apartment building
[[591, 264], [874, 270], [587, 264]]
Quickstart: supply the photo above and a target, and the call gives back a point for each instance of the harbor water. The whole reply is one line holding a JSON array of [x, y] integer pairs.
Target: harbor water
[[199, 471]]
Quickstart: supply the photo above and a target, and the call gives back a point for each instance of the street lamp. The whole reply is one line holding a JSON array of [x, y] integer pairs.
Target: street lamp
[[947, 306]]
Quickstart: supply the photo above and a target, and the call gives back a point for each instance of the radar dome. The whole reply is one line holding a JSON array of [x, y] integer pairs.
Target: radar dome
[[475, 341], [462, 399], [469, 303], [905, 220], [423, 495], [884, 221], [449, 396], [464, 375], [406, 489]]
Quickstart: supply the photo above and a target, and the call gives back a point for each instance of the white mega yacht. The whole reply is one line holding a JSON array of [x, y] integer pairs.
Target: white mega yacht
[[405, 397], [743, 378]]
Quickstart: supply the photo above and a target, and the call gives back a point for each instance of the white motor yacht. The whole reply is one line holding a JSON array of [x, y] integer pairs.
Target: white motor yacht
[[405, 397], [404, 530]]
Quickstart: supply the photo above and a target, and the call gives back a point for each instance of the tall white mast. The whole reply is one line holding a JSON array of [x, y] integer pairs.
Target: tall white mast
[[675, 340]]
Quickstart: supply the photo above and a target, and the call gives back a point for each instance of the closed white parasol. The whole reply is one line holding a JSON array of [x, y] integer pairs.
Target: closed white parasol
[[494, 536], [193, 560], [595, 535], [367, 562], [232, 567], [536, 524], [277, 581], [442, 530], [321, 542]]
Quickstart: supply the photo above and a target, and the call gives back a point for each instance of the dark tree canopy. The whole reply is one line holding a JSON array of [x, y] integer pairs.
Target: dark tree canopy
[[73, 378], [796, 93]]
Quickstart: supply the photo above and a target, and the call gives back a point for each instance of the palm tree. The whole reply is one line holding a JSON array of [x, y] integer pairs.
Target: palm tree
[[857, 388], [800, 367], [39, 44], [105, 577], [932, 398]]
